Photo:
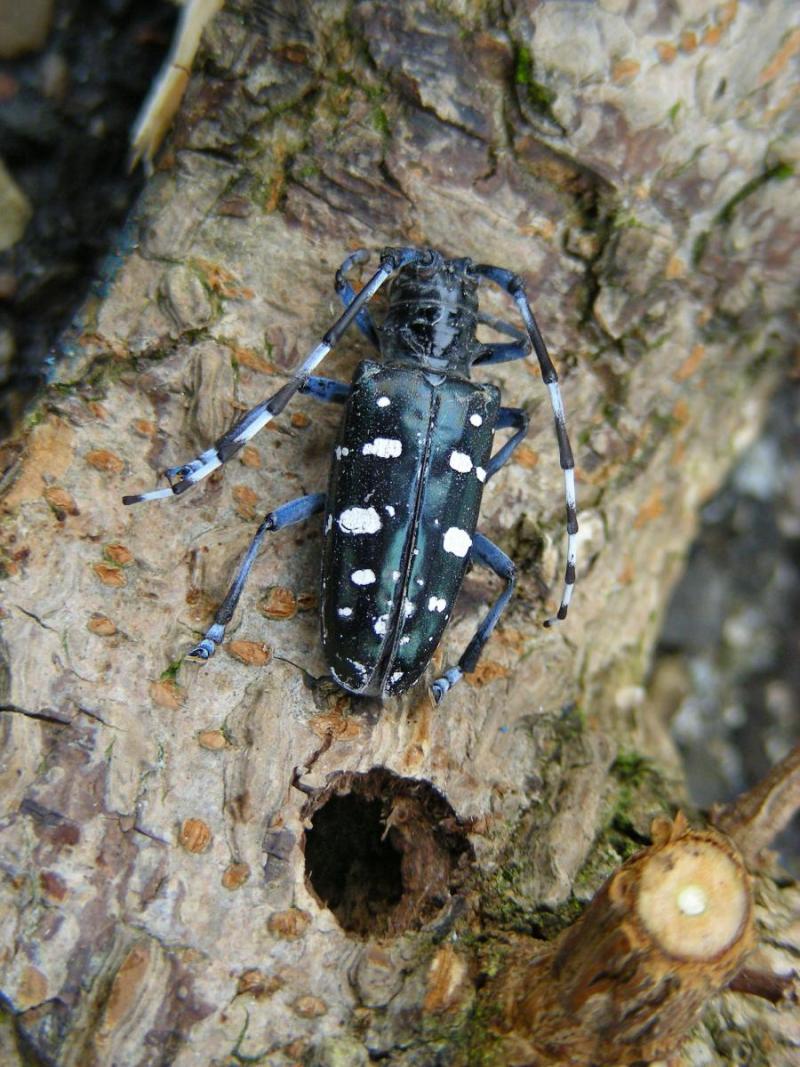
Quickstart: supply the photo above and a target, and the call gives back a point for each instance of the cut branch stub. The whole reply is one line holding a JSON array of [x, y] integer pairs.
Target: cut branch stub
[[625, 983]]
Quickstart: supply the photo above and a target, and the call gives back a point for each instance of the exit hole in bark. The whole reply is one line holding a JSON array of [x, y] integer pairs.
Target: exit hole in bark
[[384, 853]]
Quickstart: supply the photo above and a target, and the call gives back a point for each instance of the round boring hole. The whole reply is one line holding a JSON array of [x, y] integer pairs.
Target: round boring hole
[[384, 853]]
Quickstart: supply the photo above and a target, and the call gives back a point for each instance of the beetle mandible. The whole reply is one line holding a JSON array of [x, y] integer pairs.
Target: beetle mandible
[[408, 472]]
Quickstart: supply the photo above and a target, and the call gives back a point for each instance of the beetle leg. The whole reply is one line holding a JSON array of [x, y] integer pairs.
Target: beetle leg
[[514, 286], [188, 474], [506, 418], [482, 551], [347, 295], [502, 352], [287, 515], [500, 326], [326, 389]]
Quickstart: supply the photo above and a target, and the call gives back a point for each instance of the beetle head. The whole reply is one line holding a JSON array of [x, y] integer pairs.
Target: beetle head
[[432, 315]]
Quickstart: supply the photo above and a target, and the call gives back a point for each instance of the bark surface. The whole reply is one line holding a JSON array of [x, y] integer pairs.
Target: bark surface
[[635, 164]]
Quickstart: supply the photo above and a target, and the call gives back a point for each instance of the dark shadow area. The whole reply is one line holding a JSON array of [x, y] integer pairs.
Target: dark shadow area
[[352, 865], [384, 853], [65, 118]]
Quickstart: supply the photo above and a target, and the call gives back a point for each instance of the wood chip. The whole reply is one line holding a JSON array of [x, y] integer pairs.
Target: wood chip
[[235, 875], [252, 653], [279, 603], [166, 693], [62, 502], [103, 460], [111, 576], [244, 502], [100, 625], [289, 925], [213, 740], [119, 554], [195, 835]]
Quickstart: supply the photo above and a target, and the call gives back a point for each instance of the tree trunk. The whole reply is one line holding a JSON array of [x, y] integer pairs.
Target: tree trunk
[[173, 833]]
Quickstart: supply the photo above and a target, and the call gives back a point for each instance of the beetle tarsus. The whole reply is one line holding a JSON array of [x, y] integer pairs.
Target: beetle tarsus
[[206, 648], [202, 652], [443, 685]]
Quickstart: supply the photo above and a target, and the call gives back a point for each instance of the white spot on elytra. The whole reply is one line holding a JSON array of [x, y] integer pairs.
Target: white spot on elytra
[[340, 451], [476, 420], [420, 581], [396, 677], [409, 607], [383, 401], [362, 670], [359, 521], [457, 541], [437, 603], [480, 473], [345, 612], [383, 447], [379, 626], [389, 510], [395, 575], [404, 640], [365, 577], [460, 462]]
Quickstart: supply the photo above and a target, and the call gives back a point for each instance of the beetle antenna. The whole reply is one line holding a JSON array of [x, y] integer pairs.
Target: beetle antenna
[[514, 286], [224, 448]]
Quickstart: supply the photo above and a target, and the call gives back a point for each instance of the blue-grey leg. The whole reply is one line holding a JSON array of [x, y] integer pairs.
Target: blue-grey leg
[[506, 419], [482, 551], [347, 295], [513, 285], [326, 389], [189, 474], [501, 326], [502, 352], [295, 511]]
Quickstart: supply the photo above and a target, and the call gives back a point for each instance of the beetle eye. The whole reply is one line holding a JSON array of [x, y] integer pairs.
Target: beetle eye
[[430, 264]]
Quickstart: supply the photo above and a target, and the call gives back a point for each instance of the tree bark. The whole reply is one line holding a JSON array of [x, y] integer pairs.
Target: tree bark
[[635, 165]]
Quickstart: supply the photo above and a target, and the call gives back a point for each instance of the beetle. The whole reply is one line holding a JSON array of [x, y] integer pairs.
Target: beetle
[[408, 470]]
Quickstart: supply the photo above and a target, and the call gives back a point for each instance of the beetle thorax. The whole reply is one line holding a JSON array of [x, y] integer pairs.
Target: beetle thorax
[[432, 316]]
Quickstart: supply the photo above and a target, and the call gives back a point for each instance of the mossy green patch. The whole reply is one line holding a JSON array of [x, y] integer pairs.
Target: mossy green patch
[[540, 97], [243, 1057], [699, 247], [641, 793], [380, 120], [631, 768], [308, 170], [171, 672], [779, 172], [523, 65]]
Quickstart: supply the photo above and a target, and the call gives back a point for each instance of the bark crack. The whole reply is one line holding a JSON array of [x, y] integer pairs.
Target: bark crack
[[45, 715]]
